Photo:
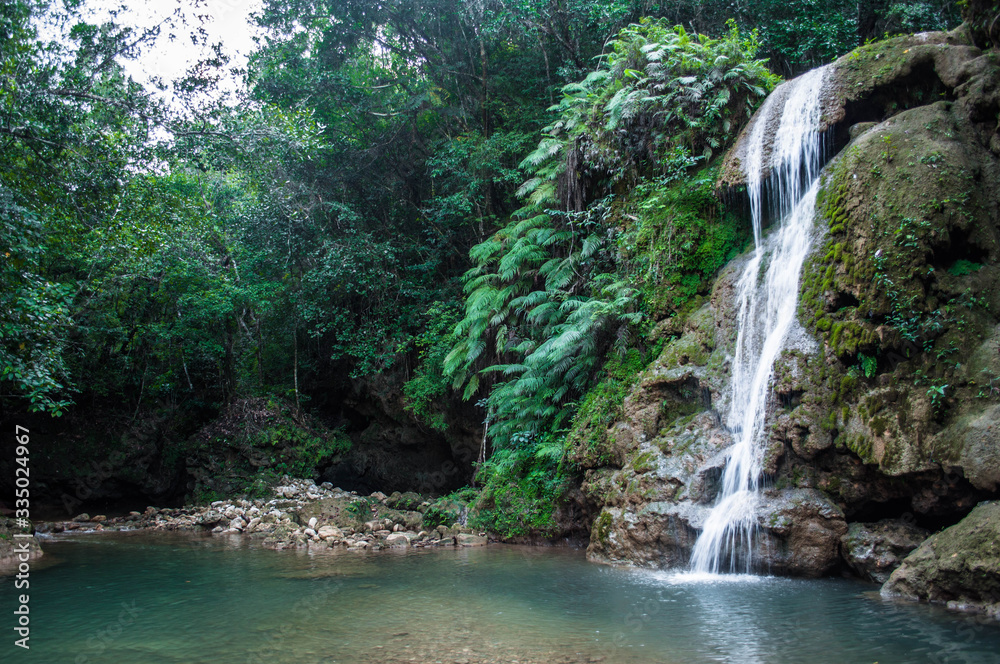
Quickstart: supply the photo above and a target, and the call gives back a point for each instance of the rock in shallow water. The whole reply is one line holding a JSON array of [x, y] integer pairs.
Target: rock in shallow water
[[799, 533], [875, 550], [959, 566], [397, 540], [330, 532], [465, 539]]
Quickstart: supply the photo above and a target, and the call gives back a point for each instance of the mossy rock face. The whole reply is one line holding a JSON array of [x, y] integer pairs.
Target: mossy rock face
[[404, 501], [960, 566], [602, 528], [972, 443], [340, 511], [982, 18], [901, 291], [887, 395], [878, 80], [681, 382]]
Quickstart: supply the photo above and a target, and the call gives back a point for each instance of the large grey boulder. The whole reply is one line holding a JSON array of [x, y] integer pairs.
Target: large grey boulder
[[959, 566], [874, 550]]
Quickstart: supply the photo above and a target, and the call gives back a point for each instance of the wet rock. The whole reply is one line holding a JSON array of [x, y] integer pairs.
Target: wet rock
[[396, 540], [660, 534], [330, 532], [959, 566], [801, 531], [210, 518], [83, 518], [874, 550], [467, 539]]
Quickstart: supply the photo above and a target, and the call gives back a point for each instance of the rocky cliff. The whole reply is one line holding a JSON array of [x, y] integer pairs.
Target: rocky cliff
[[884, 422]]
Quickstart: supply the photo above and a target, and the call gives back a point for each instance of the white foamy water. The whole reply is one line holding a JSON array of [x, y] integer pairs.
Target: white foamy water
[[767, 298]]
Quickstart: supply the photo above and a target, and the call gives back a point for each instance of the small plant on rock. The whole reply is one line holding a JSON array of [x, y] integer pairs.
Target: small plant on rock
[[937, 395]]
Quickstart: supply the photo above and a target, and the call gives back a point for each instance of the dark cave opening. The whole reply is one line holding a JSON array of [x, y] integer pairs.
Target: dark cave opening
[[960, 255]]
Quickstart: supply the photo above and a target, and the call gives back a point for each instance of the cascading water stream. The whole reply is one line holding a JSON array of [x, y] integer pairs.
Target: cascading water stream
[[766, 309]]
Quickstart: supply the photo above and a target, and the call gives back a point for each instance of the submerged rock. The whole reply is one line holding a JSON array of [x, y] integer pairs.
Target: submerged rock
[[959, 566]]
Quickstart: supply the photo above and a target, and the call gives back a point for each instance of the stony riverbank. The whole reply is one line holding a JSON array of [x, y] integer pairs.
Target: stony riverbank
[[301, 514]]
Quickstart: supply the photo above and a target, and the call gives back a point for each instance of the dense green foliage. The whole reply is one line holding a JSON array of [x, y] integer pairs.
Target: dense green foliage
[[254, 442], [983, 16], [552, 293], [377, 202]]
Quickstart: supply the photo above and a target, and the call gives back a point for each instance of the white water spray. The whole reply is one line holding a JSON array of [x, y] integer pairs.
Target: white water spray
[[766, 305]]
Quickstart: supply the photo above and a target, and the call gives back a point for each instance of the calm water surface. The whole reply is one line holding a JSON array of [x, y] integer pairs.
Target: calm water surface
[[167, 599]]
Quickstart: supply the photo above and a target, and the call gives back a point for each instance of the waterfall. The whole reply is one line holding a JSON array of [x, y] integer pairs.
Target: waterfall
[[766, 305]]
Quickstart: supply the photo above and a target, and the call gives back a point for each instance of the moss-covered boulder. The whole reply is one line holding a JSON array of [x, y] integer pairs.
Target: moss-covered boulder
[[881, 79], [404, 501], [960, 566]]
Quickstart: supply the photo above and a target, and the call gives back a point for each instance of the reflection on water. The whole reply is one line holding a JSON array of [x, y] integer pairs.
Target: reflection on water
[[143, 599]]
